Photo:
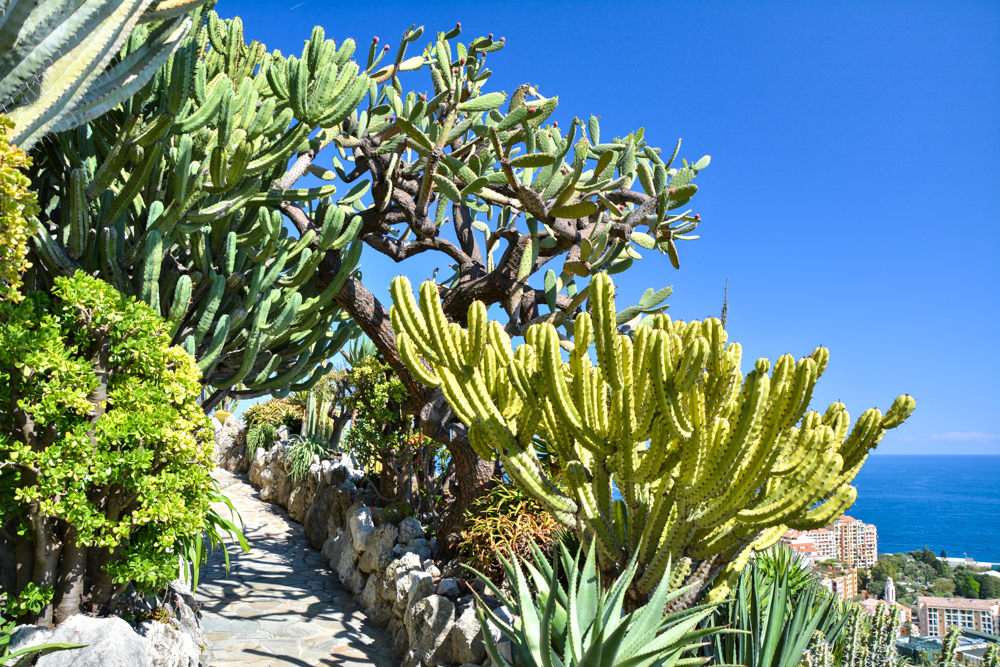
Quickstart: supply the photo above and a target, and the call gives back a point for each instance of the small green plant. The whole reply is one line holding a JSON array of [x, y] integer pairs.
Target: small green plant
[[582, 624], [300, 456], [29, 603], [276, 412], [260, 436], [192, 548]]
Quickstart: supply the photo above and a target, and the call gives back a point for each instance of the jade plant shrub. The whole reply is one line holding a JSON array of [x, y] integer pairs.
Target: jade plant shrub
[[505, 520], [104, 452]]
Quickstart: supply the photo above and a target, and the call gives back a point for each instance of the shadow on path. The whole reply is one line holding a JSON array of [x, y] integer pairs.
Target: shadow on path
[[279, 604]]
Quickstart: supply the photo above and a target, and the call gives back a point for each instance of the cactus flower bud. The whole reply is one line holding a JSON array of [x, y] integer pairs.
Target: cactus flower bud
[[375, 39], [491, 35], [461, 61], [458, 24], [555, 123], [697, 216], [671, 191], [503, 39]]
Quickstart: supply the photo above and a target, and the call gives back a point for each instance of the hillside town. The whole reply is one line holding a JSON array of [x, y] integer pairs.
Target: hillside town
[[845, 558]]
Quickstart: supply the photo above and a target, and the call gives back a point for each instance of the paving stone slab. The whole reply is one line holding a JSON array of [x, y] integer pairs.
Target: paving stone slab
[[278, 605]]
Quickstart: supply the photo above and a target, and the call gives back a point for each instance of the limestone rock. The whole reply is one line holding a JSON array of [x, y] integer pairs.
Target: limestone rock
[[26, 636], [421, 586], [166, 646], [267, 472], [341, 498], [449, 588], [418, 546], [400, 642], [361, 526], [186, 615], [302, 494], [409, 530], [333, 549], [230, 445], [108, 642], [467, 638], [357, 582], [429, 630], [348, 562], [381, 540]]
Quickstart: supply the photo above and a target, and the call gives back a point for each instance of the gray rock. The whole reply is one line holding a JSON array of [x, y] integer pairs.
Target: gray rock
[[302, 494], [429, 630], [357, 582], [400, 642], [166, 646], [333, 548], [380, 541], [467, 638], [418, 546], [342, 497], [26, 636], [267, 472], [230, 445], [316, 523], [348, 562], [185, 613], [429, 566], [421, 586], [361, 526], [409, 530], [108, 642], [449, 588], [378, 610]]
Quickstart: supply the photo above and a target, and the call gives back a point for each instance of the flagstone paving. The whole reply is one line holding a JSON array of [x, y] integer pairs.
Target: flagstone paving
[[279, 604]]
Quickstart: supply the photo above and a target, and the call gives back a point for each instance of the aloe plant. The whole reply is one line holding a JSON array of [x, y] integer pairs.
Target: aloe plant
[[54, 58], [583, 624]]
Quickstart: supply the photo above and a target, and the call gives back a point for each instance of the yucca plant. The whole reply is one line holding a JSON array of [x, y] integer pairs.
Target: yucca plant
[[583, 624]]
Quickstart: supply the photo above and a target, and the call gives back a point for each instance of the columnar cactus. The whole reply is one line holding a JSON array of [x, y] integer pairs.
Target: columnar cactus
[[54, 55], [174, 197], [710, 465]]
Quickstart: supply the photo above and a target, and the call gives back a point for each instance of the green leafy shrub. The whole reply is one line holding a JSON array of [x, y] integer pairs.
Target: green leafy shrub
[[276, 412], [103, 446], [505, 520], [261, 435], [300, 456], [582, 624]]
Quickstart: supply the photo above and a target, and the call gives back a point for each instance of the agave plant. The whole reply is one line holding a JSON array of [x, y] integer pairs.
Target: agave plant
[[779, 623], [583, 624]]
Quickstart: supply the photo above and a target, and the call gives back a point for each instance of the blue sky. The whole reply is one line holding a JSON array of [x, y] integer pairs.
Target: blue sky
[[853, 198]]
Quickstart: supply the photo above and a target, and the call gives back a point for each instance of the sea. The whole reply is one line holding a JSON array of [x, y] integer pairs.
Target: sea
[[949, 503]]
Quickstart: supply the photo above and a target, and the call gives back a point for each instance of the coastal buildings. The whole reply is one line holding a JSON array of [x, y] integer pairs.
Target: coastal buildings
[[852, 542], [839, 580], [857, 542], [938, 614], [889, 597]]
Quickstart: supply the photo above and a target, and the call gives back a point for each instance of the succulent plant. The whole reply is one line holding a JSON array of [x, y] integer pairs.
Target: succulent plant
[[54, 58], [710, 465], [583, 624], [169, 197]]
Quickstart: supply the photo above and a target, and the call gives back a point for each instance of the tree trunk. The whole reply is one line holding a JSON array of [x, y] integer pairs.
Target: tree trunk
[[69, 589], [47, 549], [25, 555]]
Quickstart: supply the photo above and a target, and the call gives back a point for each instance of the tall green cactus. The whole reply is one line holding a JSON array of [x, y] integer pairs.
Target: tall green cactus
[[710, 465], [54, 57], [174, 197]]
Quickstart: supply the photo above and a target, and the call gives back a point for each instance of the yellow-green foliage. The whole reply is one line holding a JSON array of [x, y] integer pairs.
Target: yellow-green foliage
[[18, 207], [101, 430], [710, 464]]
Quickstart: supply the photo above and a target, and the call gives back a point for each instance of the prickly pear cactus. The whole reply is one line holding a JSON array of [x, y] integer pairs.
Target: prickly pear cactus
[[710, 465], [173, 196]]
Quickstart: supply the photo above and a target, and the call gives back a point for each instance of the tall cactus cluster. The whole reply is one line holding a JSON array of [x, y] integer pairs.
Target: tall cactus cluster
[[710, 464], [54, 57], [173, 196]]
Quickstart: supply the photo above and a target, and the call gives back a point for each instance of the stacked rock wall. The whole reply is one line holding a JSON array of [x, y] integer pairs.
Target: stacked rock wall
[[390, 569]]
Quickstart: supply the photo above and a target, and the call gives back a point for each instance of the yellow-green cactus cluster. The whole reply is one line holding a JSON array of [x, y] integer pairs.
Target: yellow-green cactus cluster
[[710, 465], [18, 207]]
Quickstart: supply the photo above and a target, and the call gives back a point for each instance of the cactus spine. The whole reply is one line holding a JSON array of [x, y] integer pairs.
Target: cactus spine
[[711, 465]]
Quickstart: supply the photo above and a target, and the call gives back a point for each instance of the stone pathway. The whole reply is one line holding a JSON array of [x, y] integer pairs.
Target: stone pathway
[[279, 604]]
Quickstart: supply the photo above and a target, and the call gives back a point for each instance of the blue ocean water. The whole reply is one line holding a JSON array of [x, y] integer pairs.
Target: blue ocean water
[[942, 502]]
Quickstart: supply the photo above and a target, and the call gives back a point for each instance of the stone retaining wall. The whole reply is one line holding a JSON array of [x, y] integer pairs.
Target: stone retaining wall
[[390, 569]]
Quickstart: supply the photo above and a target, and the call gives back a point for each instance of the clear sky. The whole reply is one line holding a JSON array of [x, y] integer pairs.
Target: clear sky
[[853, 198]]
